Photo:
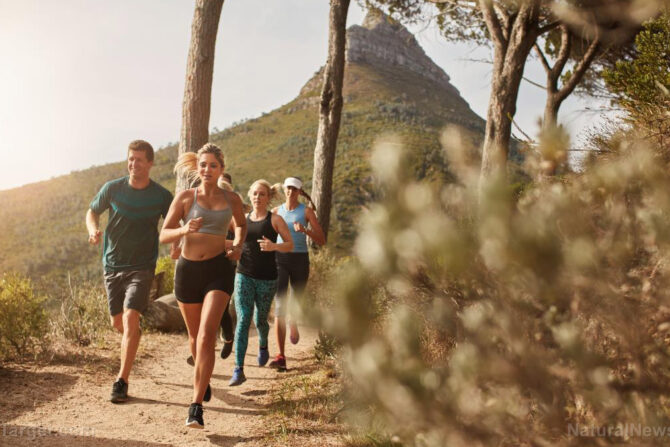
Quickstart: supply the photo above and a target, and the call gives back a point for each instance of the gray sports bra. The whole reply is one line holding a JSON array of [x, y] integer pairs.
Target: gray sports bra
[[213, 221]]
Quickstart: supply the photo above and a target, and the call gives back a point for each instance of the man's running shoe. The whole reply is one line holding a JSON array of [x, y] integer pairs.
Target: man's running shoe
[[190, 360], [238, 377], [208, 394], [194, 419], [119, 391], [279, 363]]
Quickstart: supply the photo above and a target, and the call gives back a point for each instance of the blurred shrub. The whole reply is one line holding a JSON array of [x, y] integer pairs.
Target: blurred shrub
[[514, 317], [83, 314], [324, 266], [23, 321], [166, 264]]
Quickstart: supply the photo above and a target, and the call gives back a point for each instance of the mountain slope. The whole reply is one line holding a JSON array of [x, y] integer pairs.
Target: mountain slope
[[390, 86]]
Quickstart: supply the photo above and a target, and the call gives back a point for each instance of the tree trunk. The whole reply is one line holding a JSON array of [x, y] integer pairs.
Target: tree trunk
[[551, 107], [199, 74], [330, 110], [511, 49]]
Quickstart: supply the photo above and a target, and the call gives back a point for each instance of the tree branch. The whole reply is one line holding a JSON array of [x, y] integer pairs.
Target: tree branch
[[536, 84], [580, 69], [548, 27], [506, 20], [529, 139], [493, 24], [563, 54], [543, 59]]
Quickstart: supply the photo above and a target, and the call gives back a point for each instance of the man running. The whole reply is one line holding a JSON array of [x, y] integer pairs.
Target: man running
[[130, 249]]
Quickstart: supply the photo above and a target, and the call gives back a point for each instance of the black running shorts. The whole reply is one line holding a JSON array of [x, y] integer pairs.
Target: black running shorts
[[194, 279]]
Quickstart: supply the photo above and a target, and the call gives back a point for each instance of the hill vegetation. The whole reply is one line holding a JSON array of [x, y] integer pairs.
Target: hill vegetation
[[42, 224]]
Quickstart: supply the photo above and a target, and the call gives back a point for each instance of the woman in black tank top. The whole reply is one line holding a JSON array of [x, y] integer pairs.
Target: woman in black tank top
[[256, 278]]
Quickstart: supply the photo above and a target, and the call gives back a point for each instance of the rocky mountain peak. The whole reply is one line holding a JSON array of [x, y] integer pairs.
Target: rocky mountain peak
[[381, 41]]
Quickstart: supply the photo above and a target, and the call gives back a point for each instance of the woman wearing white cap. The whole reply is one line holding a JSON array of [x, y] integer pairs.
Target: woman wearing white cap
[[293, 267]]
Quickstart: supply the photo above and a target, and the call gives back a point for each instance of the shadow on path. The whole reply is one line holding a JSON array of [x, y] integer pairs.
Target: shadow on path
[[240, 406], [22, 391], [26, 435], [229, 441]]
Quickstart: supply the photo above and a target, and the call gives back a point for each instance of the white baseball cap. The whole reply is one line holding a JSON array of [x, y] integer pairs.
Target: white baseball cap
[[292, 181]]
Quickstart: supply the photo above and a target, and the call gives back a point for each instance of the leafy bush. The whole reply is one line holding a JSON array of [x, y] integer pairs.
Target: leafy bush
[[641, 85], [512, 320], [166, 264], [83, 314], [639, 80], [23, 321]]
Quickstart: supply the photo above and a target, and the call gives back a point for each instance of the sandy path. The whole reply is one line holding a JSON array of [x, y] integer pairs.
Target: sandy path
[[66, 402]]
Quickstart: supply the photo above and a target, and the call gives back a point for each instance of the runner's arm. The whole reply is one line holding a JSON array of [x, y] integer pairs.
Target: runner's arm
[[93, 227], [315, 232]]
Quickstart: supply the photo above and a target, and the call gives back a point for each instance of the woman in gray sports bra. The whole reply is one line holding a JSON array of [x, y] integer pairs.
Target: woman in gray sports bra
[[203, 275]]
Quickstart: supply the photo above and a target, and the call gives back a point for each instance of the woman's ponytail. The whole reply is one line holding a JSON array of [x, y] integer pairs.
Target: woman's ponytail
[[187, 166], [305, 195]]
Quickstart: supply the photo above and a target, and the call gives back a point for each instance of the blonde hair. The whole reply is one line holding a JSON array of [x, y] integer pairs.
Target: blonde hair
[[187, 163], [273, 190]]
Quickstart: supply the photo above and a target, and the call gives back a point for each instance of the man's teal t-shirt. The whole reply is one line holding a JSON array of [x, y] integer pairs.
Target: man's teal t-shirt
[[131, 236]]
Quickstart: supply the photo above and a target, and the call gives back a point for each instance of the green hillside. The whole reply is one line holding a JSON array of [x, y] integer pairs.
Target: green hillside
[[42, 230]]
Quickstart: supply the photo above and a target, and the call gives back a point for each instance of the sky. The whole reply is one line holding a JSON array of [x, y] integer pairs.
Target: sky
[[80, 79]]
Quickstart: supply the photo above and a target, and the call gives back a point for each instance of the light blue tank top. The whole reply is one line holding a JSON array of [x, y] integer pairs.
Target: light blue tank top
[[213, 221], [296, 215]]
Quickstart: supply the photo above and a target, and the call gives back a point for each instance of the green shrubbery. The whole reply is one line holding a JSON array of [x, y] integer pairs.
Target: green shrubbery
[[23, 320], [165, 264], [82, 316]]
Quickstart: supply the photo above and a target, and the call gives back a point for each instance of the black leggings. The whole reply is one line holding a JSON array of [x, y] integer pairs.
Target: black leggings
[[227, 326], [293, 269]]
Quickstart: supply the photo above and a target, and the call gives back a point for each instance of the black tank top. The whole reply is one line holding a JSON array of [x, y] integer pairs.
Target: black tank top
[[254, 262]]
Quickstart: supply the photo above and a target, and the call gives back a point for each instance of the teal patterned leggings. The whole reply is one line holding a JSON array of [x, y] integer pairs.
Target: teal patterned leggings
[[249, 292]]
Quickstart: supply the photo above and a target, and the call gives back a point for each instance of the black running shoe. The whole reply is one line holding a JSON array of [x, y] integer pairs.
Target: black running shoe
[[208, 394], [194, 419], [119, 391], [226, 349], [190, 360]]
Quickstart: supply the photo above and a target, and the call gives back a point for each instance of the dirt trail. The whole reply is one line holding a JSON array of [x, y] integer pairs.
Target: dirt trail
[[65, 403]]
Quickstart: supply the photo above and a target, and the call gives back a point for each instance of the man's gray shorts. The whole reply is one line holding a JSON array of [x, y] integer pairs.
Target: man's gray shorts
[[128, 290]]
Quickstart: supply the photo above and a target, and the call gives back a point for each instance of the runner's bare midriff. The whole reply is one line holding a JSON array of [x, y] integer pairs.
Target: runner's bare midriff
[[203, 246]]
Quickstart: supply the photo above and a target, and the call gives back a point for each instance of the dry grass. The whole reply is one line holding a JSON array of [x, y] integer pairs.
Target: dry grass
[[306, 409]]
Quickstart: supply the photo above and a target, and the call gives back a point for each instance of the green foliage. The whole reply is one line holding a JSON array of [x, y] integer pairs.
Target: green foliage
[[82, 316], [511, 319], [643, 79], [23, 320], [641, 86], [166, 265]]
